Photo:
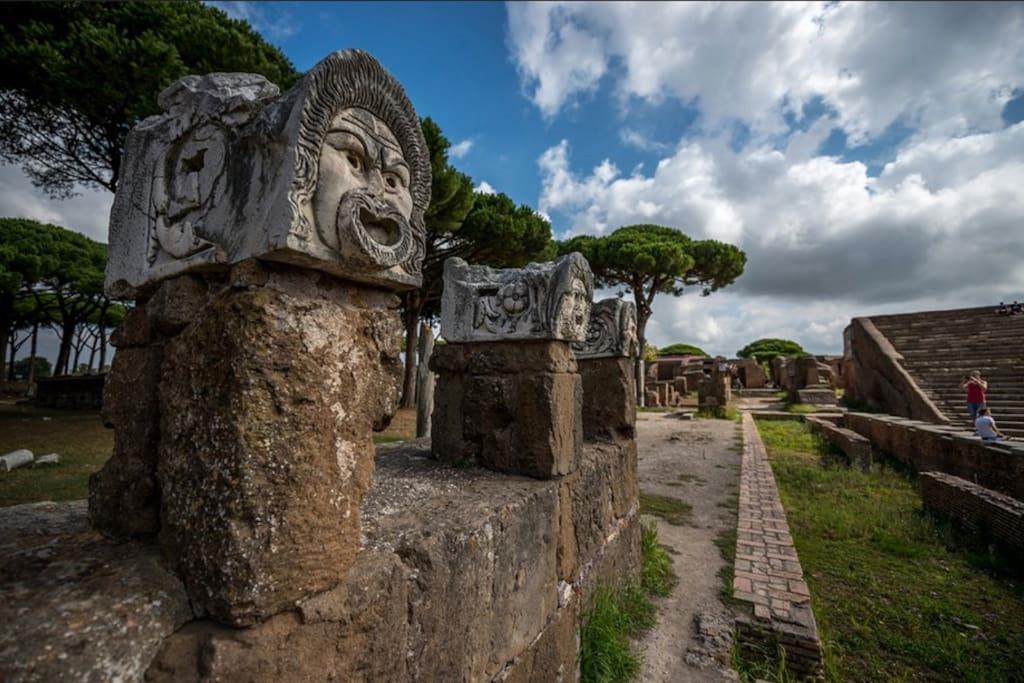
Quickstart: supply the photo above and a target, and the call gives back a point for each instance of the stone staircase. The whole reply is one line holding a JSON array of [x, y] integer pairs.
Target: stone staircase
[[940, 347]]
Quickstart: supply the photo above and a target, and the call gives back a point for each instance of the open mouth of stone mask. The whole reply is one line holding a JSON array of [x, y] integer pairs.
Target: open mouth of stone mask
[[376, 231], [383, 229]]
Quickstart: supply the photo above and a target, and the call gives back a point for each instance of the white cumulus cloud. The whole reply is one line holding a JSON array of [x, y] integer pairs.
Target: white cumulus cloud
[[946, 67], [460, 149], [485, 188], [940, 227]]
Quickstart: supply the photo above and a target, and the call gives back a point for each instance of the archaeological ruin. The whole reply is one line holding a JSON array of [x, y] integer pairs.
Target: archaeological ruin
[[245, 527]]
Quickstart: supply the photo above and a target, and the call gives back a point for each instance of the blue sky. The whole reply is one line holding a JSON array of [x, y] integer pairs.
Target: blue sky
[[455, 63], [868, 157]]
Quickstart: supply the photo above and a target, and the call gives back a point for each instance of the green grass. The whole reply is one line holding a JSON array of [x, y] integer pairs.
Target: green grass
[[897, 596], [801, 408], [728, 412], [78, 436], [674, 511], [619, 614], [656, 577], [84, 444]]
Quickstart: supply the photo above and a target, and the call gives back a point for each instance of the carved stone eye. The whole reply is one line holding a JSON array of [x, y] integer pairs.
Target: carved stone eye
[[391, 181], [354, 161]]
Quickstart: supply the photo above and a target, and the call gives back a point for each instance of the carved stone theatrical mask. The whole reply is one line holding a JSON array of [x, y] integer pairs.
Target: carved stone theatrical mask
[[362, 206], [611, 332], [333, 175], [541, 301]]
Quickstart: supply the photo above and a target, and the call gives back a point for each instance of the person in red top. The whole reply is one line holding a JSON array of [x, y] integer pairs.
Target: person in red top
[[976, 388]]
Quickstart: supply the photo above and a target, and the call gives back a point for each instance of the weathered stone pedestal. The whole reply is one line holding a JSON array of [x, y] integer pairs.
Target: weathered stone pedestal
[[716, 392], [509, 406], [252, 431], [261, 237], [606, 361], [508, 393]]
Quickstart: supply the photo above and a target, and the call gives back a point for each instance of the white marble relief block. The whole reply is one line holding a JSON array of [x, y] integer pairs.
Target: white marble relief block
[[333, 175], [611, 332], [540, 301]]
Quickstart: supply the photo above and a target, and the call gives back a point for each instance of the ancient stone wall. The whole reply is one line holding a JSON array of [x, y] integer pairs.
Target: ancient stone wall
[[928, 447], [992, 516], [83, 392], [875, 376], [245, 528]]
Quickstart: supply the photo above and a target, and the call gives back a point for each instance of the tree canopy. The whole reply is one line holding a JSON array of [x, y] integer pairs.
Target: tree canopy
[[766, 349], [78, 75], [652, 259], [648, 260], [681, 350], [50, 275]]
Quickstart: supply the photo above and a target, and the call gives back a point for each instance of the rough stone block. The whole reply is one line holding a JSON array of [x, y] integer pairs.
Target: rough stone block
[[551, 657], [817, 396], [608, 398], [123, 494], [175, 303], [267, 401], [133, 330], [76, 607], [354, 632], [513, 407]]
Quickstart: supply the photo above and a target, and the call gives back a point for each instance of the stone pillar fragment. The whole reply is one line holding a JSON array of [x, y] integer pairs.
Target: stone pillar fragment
[[262, 237], [509, 395], [607, 359], [267, 402]]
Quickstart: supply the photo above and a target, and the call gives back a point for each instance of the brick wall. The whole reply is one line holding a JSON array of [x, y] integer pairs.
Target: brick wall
[[767, 572], [935, 448], [995, 516]]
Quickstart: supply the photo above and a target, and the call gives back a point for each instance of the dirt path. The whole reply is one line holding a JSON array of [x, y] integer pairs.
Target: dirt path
[[698, 463]]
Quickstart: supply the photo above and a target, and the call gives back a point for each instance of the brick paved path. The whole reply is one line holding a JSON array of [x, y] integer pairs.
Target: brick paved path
[[767, 570]]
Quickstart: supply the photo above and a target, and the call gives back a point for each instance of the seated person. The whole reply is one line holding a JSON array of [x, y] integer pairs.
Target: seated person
[[1003, 309], [986, 427]]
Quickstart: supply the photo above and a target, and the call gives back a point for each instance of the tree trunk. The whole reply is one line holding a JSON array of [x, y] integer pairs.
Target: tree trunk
[[10, 364], [67, 336], [92, 353], [32, 355], [6, 321], [413, 306], [103, 342], [78, 353], [642, 315], [424, 383]]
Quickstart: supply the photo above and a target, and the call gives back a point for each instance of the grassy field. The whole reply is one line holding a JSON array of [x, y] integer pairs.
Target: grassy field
[[84, 444], [80, 438], [896, 597]]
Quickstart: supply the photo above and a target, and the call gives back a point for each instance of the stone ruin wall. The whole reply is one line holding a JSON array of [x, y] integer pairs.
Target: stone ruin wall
[[245, 528], [874, 375]]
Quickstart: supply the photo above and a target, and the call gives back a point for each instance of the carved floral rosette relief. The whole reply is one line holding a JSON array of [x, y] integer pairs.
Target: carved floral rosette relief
[[611, 332], [332, 175], [540, 301]]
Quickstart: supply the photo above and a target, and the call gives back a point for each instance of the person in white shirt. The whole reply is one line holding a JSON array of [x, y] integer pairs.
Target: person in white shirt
[[986, 427]]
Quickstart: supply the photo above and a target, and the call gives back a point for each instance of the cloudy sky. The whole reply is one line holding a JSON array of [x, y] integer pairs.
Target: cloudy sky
[[868, 157]]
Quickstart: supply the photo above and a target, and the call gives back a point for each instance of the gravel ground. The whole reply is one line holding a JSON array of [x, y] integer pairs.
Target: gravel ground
[[697, 462]]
